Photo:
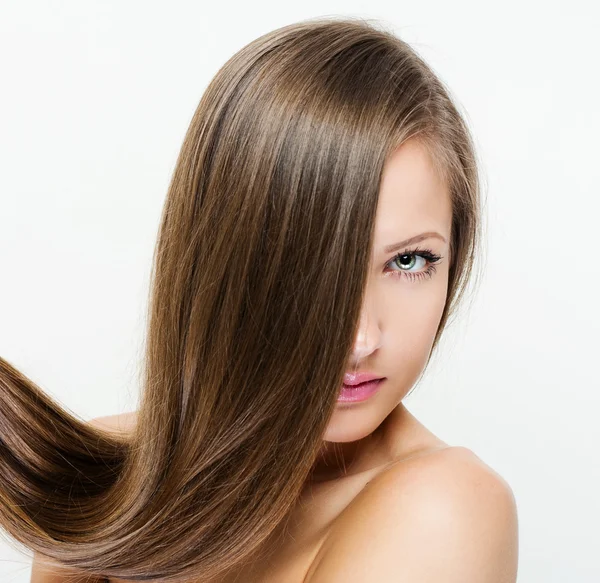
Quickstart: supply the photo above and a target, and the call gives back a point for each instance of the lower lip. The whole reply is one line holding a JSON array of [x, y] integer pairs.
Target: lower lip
[[358, 393]]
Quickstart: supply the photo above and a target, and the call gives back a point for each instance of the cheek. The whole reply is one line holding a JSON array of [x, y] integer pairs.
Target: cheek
[[412, 315]]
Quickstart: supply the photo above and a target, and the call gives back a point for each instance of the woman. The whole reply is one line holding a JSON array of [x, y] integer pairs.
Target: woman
[[319, 231]]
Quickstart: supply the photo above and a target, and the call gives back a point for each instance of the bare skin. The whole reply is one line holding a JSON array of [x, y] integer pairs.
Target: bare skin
[[401, 438], [332, 516]]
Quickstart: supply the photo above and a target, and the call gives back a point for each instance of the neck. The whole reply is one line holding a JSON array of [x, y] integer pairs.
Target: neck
[[340, 459]]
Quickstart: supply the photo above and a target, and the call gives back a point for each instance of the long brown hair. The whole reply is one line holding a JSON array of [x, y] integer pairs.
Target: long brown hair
[[259, 270]]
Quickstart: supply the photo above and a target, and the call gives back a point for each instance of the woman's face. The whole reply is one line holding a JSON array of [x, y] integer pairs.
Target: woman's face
[[403, 304]]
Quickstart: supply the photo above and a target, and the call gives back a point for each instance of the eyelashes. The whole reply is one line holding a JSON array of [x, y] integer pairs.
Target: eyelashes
[[408, 259]]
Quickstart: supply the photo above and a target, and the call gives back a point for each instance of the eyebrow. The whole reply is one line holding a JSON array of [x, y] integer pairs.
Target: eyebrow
[[416, 239]]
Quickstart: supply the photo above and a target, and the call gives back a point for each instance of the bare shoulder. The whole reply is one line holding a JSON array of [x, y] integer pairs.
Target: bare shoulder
[[119, 423], [446, 516]]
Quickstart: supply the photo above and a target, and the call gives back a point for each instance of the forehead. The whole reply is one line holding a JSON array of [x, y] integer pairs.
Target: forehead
[[412, 197]]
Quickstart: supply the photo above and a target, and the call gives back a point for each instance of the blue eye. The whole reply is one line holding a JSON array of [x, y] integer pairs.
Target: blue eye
[[408, 259]]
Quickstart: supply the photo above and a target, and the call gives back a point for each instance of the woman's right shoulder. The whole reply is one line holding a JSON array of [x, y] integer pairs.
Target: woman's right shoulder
[[119, 423]]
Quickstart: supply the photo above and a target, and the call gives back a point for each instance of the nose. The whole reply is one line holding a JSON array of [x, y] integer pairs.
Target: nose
[[368, 338]]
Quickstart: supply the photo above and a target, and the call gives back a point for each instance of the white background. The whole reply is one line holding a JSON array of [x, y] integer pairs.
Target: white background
[[95, 100]]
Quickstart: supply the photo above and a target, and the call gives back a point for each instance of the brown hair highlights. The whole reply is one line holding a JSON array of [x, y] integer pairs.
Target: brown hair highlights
[[257, 285]]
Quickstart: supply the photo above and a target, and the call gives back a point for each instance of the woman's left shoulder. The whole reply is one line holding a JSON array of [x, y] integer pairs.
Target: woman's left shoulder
[[446, 515], [453, 476]]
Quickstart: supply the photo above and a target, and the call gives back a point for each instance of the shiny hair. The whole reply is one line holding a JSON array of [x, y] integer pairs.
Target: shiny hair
[[257, 285]]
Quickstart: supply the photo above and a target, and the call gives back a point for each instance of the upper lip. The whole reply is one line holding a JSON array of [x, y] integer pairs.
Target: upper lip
[[355, 378]]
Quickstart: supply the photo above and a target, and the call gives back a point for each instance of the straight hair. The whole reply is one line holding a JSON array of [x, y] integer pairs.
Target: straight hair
[[257, 284]]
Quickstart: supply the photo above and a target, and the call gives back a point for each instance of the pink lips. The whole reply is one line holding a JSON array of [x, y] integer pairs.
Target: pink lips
[[359, 377], [359, 387]]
